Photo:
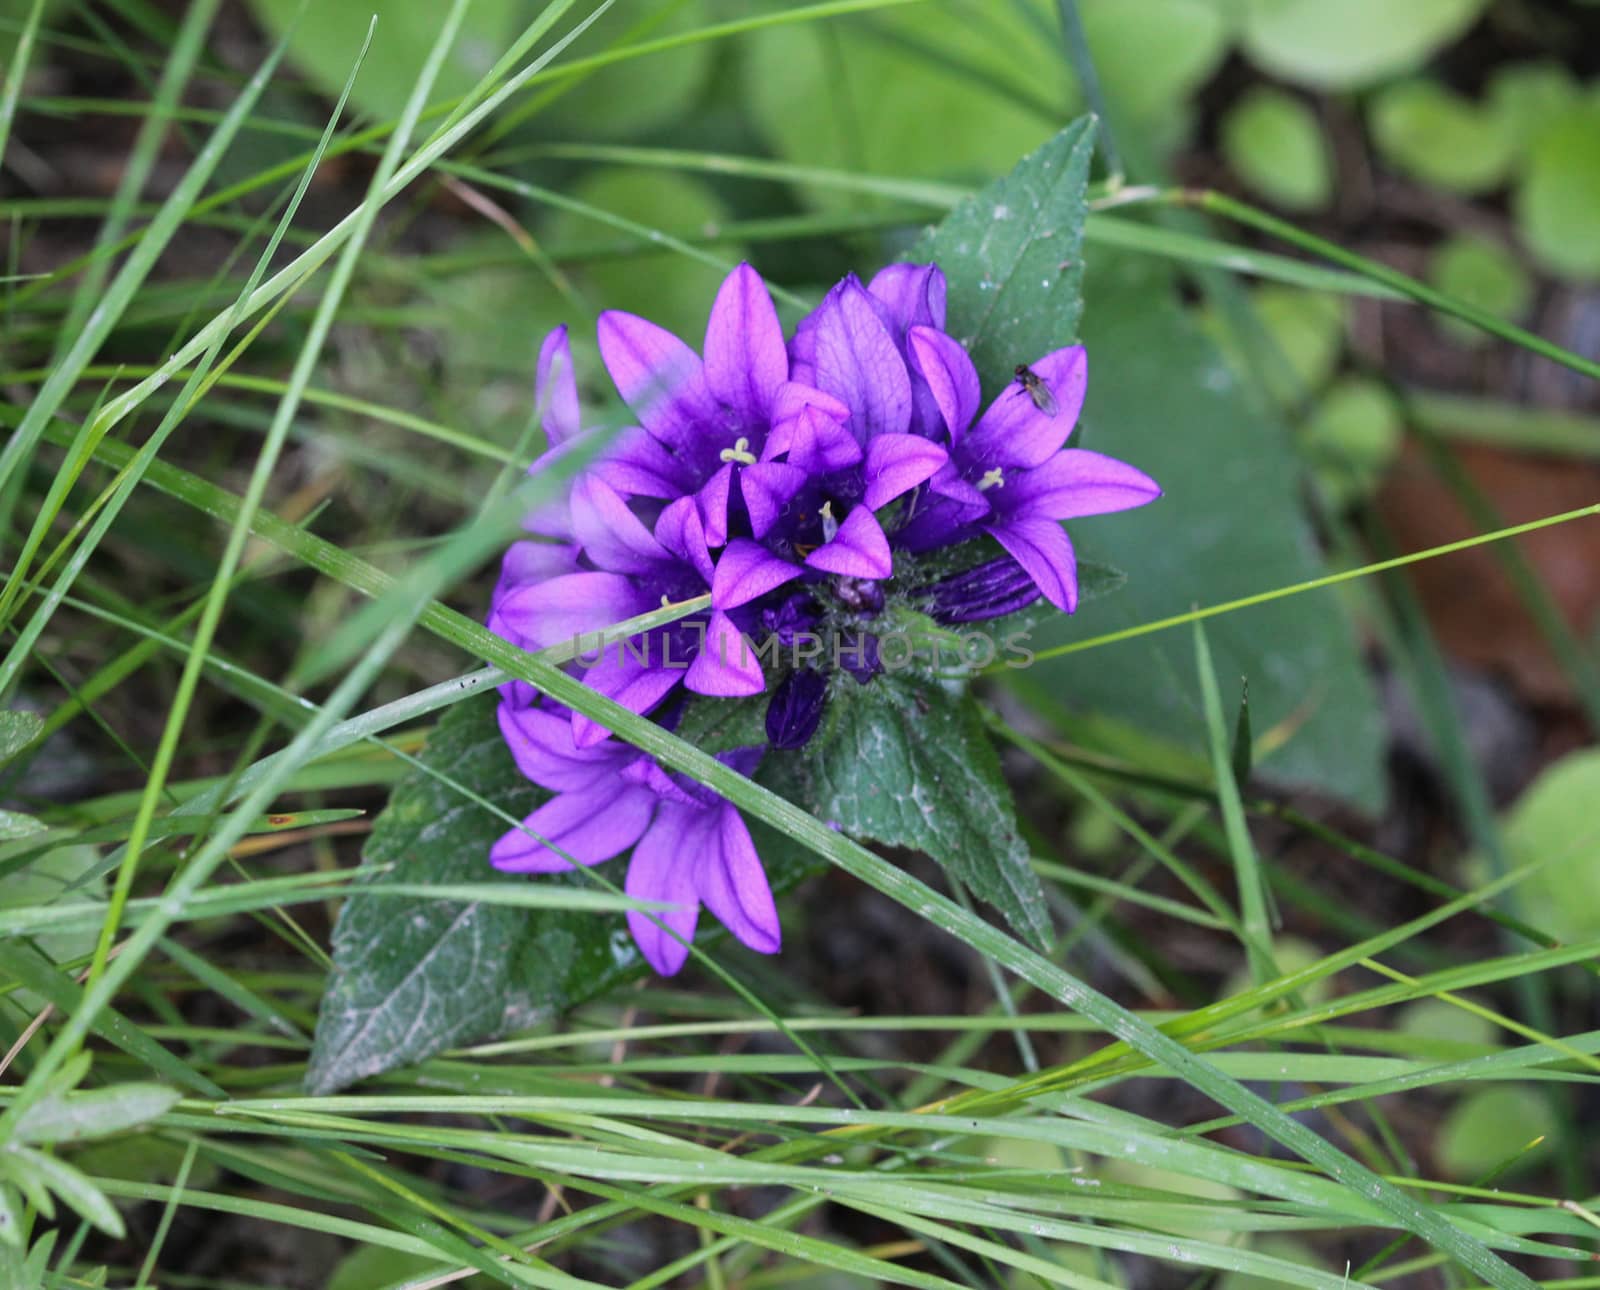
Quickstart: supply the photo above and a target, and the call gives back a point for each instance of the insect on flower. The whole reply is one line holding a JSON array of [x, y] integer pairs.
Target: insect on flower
[[1037, 390]]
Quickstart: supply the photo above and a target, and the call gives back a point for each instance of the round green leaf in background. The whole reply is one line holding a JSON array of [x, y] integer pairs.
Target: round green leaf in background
[[1428, 132], [1152, 55], [640, 95], [1554, 821], [949, 91], [1349, 44], [667, 287], [1276, 146], [1307, 330], [1482, 273], [1353, 435], [1493, 1126], [1526, 98], [328, 40], [1558, 203]]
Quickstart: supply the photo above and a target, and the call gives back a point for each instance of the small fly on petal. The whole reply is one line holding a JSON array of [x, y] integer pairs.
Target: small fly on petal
[[1037, 390]]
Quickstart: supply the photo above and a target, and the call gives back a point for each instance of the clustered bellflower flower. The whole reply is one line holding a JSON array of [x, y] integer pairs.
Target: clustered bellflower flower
[[801, 482]]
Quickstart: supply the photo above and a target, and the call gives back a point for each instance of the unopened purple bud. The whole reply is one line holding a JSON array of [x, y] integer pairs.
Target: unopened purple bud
[[989, 591], [864, 595], [857, 654], [795, 710], [796, 616]]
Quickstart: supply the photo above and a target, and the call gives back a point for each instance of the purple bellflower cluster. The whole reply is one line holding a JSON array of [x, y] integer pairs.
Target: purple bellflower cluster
[[801, 483]]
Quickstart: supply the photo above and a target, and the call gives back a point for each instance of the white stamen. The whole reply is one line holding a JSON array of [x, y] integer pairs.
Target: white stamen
[[740, 452], [995, 478], [830, 526]]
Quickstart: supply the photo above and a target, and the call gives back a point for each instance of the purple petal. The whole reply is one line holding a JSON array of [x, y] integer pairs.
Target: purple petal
[[913, 293], [534, 562], [858, 550], [680, 531], [658, 376], [733, 886], [611, 535], [713, 502], [662, 869], [635, 674], [541, 744], [726, 665], [1073, 483], [638, 465], [792, 399], [745, 571], [859, 362], [897, 463], [768, 487], [1042, 548], [947, 368], [556, 386], [1013, 432], [746, 360], [590, 826], [822, 445], [557, 611]]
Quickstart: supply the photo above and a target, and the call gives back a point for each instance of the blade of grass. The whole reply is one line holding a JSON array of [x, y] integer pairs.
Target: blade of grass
[[21, 445]]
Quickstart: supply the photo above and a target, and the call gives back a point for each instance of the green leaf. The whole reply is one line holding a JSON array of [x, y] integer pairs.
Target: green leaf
[[995, 73], [1348, 44], [94, 1114], [1432, 134], [1483, 273], [719, 725], [1353, 435], [70, 1185], [329, 38], [412, 977], [1244, 750], [1307, 329], [635, 97], [909, 764], [1013, 257], [63, 873], [1495, 1128], [1554, 821], [669, 288], [10, 1224], [18, 729], [14, 825], [1525, 98], [1151, 56], [1275, 143], [1555, 204], [1229, 525]]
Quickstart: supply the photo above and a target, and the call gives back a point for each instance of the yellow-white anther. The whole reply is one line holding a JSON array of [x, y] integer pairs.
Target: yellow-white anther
[[995, 478], [740, 452]]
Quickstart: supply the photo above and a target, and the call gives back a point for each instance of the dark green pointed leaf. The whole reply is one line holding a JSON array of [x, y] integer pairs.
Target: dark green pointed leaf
[[908, 764], [1229, 525], [1243, 744], [414, 977], [1013, 257], [719, 725]]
